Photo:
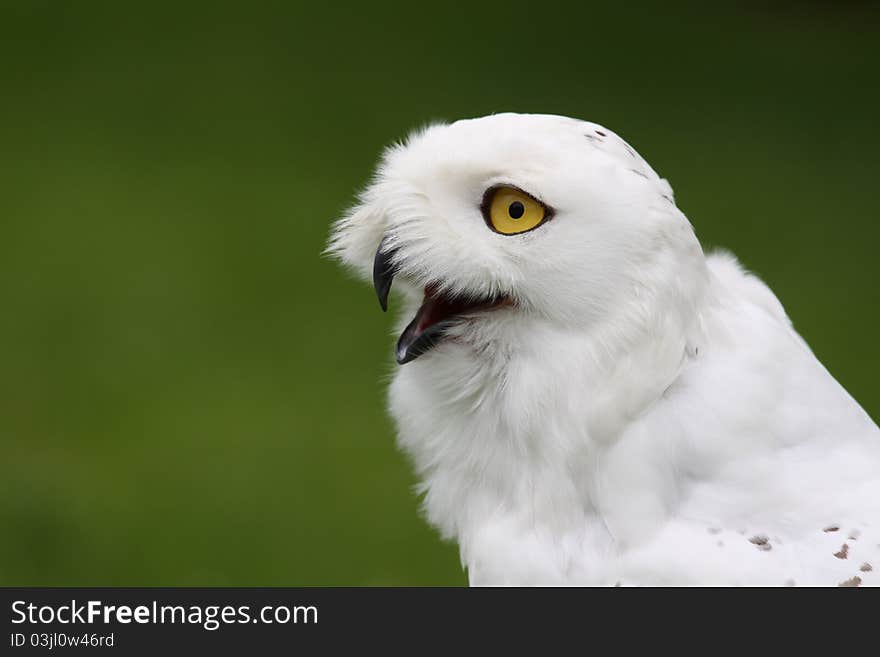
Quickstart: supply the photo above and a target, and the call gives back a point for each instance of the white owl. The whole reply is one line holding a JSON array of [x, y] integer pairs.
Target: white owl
[[589, 399]]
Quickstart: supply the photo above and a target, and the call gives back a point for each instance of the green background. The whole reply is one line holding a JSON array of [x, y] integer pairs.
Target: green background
[[192, 395]]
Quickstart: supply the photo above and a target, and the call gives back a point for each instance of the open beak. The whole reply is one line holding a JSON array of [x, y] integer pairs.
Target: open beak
[[434, 317]]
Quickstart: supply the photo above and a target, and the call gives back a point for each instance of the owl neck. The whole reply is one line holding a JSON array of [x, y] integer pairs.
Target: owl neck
[[507, 424]]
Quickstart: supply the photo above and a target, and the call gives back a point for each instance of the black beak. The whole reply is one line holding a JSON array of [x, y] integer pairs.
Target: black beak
[[383, 273], [438, 312]]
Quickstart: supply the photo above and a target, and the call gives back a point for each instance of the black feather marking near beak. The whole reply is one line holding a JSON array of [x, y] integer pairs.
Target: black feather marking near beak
[[383, 273]]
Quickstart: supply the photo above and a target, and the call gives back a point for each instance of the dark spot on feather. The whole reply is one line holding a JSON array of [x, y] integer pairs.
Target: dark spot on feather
[[866, 567], [761, 542], [854, 581], [844, 551], [854, 534], [831, 528], [600, 133], [639, 173]]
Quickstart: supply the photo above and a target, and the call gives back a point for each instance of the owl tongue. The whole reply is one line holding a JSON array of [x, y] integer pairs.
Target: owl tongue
[[437, 313]]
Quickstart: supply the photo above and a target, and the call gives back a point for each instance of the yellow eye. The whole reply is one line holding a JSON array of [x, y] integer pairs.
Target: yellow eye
[[510, 211]]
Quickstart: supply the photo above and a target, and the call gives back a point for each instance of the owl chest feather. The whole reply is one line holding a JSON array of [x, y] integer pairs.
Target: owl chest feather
[[672, 467]]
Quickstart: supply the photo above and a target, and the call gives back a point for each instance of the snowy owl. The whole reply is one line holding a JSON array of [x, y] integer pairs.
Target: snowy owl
[[588, 398]]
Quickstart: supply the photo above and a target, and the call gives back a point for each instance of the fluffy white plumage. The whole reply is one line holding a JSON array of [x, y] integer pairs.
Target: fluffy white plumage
[[637, 412]]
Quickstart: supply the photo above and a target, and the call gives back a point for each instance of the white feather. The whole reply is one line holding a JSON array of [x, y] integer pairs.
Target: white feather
[[643, 414]]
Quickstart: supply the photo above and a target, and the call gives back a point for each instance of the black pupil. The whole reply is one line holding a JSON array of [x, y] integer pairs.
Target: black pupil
[[516, 210]]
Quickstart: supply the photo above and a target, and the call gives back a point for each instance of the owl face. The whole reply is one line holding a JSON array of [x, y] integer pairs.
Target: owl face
[[512, 217]]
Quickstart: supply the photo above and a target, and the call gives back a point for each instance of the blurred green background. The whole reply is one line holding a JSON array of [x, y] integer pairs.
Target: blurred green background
[[192, 395]]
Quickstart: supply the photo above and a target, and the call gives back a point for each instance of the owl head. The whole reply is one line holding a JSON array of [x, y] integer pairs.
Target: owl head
[[492, 227]]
